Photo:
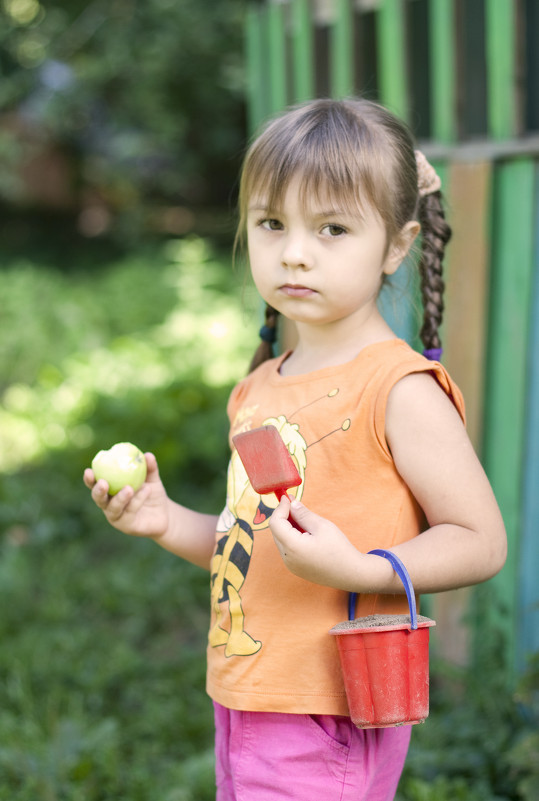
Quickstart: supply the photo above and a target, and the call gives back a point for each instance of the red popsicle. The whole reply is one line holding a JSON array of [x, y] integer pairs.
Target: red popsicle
[[267, 461]]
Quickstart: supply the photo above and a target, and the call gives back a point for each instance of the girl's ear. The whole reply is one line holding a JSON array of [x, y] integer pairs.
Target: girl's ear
[[400, 247]]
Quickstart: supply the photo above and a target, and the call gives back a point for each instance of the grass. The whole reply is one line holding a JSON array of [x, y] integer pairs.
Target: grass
[[102, 672]]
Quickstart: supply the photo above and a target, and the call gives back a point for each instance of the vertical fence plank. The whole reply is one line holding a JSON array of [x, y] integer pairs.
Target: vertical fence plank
[[277, 66], [465, 347], [443, 69], [341, 51], [256, 66], [529, 558], [302, 51], [393, 83], [467, 287], [512, 263], [501, 67]]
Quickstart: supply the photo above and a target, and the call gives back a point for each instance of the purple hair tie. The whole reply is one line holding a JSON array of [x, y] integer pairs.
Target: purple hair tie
[[434, 354]]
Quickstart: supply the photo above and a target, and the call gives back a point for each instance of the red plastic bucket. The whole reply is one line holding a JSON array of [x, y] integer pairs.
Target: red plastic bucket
[[386, 667]]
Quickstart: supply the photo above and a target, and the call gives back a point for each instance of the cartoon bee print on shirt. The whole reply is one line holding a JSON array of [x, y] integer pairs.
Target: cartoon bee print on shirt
[[246, 512]]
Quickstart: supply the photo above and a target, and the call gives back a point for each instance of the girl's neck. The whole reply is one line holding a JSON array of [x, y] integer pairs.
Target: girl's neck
[[318, 347]]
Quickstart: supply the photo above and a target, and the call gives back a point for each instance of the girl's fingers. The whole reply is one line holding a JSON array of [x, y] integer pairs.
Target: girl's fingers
[[283, 509], [279, 522], [309, 521], [89, 478], [131, 501], [119, 504], [100, 493], [298, 512], [152, 468]]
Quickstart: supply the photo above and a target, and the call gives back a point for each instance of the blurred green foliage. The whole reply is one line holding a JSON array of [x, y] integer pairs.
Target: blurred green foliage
[[156, 337], [103, 637], [481, 740], [102, 672], [144, 100]]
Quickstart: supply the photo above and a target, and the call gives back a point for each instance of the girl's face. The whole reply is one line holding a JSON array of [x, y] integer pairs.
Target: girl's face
[[319, 264]]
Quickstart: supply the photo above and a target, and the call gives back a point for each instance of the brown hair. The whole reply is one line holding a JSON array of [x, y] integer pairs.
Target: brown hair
[[436, 233], [358, 152]]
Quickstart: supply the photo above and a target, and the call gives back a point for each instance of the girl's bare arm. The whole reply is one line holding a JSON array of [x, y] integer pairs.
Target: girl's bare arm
[[150, 513], [465, 543]]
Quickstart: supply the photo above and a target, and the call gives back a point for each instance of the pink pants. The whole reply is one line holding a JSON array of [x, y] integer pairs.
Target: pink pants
[[267, 756]]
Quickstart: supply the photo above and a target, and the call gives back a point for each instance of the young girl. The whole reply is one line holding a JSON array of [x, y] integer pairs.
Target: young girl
[[332, 198]]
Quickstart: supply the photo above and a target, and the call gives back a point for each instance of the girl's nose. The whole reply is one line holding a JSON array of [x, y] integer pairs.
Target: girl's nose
[[296, 252]]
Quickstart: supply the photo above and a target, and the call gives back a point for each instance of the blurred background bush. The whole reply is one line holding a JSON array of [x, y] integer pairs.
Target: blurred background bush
[[125, 114]]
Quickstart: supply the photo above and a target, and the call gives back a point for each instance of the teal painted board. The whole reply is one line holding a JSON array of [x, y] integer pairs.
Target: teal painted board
[[507, 371], [528, 642], [397, 305]]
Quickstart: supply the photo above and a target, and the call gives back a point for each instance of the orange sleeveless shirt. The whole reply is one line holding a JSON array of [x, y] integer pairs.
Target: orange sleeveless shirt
[[269, 648]]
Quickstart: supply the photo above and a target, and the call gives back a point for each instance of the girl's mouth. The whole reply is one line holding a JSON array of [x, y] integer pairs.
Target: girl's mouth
[[297, 290]]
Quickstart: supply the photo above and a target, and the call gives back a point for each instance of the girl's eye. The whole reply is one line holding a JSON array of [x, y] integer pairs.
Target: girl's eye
[[333, 230], [271, 224]]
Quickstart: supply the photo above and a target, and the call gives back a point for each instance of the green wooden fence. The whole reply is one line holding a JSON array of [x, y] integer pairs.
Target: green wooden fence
[[465, 76]]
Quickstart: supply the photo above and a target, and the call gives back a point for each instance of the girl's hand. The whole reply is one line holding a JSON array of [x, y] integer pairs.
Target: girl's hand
[[323, 554], [142, 514]]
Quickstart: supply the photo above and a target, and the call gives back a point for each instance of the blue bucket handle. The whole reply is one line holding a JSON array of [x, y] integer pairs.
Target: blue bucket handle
[[404, 576]]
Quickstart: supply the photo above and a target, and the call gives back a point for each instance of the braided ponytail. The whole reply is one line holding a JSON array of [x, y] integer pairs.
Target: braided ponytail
[[268, 335], [435, 236]]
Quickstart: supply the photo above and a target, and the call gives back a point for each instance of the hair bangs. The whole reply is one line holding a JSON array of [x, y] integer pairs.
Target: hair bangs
[[344, 154]]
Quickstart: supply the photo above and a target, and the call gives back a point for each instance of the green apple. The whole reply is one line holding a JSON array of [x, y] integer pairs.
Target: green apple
[[124, 464]]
